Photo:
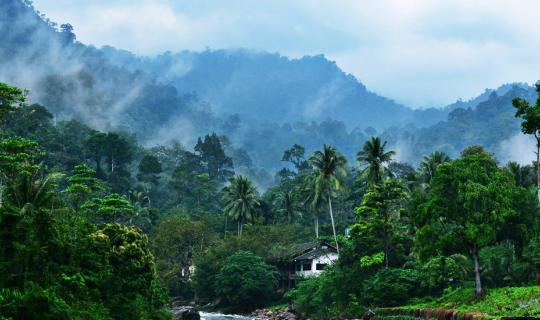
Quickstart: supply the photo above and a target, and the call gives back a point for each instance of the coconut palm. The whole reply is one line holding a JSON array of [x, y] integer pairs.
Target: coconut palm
[[312, 200], [241, 200], [375, 157], [430, 163], [329, 169], [286, 201]]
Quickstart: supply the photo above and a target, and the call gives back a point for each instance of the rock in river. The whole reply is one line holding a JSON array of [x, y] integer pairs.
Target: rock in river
[[185, 313]]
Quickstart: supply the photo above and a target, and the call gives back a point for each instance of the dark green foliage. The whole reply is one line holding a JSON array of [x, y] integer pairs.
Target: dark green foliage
[[176, 242], [439, 273], [470, 201], [241, 200], [113, 207], [149, 169], [10, 99], [245, 282], [391, 287], [218, 165]]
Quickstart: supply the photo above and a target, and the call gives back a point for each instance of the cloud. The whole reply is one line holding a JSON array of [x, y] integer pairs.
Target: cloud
[[420, 52], [519, 148]]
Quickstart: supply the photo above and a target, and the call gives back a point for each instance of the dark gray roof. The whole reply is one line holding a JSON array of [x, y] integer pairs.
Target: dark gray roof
[[315, 250]]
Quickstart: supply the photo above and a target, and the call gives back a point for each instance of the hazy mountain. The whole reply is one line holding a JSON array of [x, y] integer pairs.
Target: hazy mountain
[[263, 102], [491, 123], [270, 86]]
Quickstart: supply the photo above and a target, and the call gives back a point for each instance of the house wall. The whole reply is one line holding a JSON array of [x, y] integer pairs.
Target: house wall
[[327, 259]]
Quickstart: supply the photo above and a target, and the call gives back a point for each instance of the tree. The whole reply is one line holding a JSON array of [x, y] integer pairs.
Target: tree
[[110, 208], [313, 200], [531, 125], [18, 157], [430, 163], [117, 150], [469, 203], [149, 169], [241, 200], [375, 157], [176, 242], [295, 155], [94, 146], [245, 282], [286, 201], [11, 98], [194, 187], [82, 184], [218, 165], [380, 214], [329, 170]]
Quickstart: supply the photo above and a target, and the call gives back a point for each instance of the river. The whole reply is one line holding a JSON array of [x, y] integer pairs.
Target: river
[[218, 316]]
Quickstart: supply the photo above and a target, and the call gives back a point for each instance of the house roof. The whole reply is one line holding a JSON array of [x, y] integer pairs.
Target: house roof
[[313, 250]]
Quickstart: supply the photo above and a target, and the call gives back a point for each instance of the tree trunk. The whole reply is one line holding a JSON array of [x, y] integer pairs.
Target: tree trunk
[[1, 192], [316, 221], [477, 279], [538, 168], [333, 226], [225, 229], [386, 251]]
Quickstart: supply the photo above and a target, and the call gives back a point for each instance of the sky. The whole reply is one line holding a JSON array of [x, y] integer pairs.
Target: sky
[[421, 53]]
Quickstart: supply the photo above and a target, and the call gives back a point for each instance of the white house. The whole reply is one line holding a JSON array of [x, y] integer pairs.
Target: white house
[[313, 259]]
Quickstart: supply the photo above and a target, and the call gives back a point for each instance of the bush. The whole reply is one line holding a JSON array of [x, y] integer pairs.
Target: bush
[[391, 287], [32, 303], [440, 272], [245, 282], [330, 295]]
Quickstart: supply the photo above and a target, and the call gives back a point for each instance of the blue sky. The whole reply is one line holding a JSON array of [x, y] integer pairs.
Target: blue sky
[[418, 52]]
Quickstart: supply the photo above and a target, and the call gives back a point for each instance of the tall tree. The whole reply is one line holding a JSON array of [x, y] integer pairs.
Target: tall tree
[[296, 156], [82, 184], [470, 201], [11, 98], [531, 125], [287, 204], [241, 200], [313, 200], [375, 157], [380, 213], [430, 163], [218, 165], [329, 168]]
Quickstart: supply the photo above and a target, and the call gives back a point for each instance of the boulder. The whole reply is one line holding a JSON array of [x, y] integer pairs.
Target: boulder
[[186, 313]]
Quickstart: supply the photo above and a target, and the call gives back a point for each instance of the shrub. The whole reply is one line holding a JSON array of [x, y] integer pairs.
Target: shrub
[[245, 282], [391, 287]]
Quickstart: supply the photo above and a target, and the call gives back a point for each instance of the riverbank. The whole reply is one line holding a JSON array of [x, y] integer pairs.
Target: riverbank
[[496, 303]]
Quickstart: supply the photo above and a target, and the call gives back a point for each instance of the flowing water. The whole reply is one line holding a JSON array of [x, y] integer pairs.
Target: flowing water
[[217, 316]]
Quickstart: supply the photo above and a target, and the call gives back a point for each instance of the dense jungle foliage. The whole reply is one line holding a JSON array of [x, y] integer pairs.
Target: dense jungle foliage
[[94, 225]]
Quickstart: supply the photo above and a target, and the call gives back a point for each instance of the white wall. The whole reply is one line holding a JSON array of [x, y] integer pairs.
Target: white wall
[[327, 259]]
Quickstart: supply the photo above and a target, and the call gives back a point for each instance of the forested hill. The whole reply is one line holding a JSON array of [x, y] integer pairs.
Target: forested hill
[[491, 123], [270, 86], [264, 103]]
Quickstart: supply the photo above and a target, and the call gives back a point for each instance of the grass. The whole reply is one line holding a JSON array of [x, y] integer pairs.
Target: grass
[[499, 302]]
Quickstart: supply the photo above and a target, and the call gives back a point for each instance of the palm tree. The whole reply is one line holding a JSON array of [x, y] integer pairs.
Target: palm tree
[[286, 201], [329, 169], [375, 157], [312, 200], [241, 200], [430, 163]]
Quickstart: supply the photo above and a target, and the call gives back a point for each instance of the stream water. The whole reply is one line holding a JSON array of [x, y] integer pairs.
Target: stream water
[[217, 316]]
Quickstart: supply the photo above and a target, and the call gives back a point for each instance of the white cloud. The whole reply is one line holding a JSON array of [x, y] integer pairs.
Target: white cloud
[[519, 148], [420, 52]]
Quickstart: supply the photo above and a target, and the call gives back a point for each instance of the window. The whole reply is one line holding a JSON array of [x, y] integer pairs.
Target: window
[[307, 266], [321, 266], [298, 267]]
